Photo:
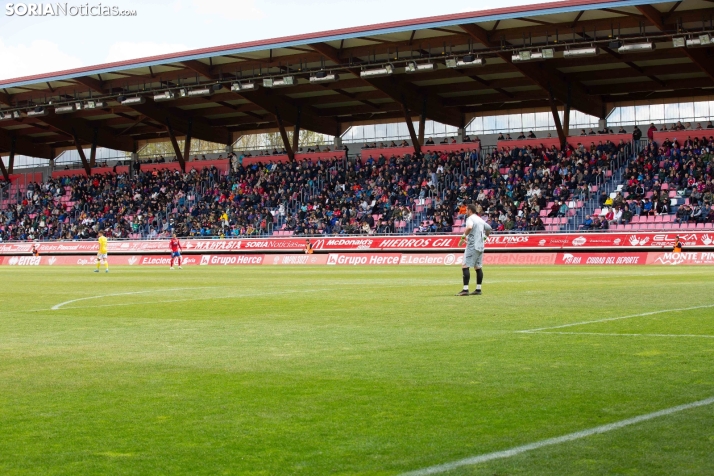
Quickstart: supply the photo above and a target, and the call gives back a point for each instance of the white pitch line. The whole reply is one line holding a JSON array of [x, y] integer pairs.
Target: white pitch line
[[231, 296], [617, 318], [58, 306], [442, 468], [615, 334]]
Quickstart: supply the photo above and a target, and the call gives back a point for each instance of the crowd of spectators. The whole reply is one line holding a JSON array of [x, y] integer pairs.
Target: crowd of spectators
[[513, 186], [660, 176], [398, 193], [321, 197]]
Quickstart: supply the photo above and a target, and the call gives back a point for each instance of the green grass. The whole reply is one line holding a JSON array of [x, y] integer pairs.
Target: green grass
[[311, 371]]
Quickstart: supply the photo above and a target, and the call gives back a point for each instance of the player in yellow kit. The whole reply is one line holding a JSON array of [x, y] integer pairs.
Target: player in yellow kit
[[102, 254]]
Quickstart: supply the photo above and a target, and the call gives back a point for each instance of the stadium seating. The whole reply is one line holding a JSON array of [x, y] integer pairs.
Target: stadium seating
[[518, 189]]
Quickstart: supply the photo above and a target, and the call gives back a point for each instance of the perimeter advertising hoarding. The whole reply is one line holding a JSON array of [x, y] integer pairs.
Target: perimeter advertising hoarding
[[556, 242], [614, 258]]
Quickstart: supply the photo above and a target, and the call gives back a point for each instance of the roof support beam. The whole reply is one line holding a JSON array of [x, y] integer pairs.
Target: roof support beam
[[5, 175], [179, 120], [80, 151], [5, 99], [702, 58], [545, 76], [327, 51], [174, 144], [296, 131], [85, 131], [93, 84], [410, 126], [284, 135], [309, 119], [422, 123], [11, 159], [556, 120], [200, 68], [93, 151], [186, 146], [399, 90], [402, 91], [653, 15], [566, 113], [23, 145]]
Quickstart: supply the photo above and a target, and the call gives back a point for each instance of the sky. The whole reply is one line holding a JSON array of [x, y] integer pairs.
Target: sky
[[43, 44]]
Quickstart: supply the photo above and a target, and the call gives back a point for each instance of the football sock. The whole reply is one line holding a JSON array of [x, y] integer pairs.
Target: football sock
[[106, 264], [98, 264], [172, 262], [467, 277], [479, 278]]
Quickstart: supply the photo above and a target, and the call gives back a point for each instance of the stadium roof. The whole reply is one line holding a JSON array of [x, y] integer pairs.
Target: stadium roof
[[644, 66]]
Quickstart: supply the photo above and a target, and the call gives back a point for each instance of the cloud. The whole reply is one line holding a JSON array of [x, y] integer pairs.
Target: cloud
[[127, 50], [39, 56]]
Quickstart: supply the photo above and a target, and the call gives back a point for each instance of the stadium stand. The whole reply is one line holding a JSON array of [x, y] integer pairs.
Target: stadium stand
[[519, 189], [667, 186]]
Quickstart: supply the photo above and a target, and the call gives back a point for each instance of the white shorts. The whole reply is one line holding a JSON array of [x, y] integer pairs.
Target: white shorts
[[101, 256], [473, 258]]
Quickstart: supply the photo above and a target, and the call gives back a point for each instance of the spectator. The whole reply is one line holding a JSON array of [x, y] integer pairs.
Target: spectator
[[650, 132], [683, 214], [563, 209], [636, 134]]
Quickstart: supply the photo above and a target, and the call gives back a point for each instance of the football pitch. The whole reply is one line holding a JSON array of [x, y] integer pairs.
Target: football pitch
[[375, 371]]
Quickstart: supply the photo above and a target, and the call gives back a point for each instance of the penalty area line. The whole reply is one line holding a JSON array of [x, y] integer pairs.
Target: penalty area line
[[474, 460], [608, 319]]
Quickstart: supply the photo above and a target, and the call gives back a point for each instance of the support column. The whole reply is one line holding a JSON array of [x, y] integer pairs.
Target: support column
[[174, 144], [566, 112], [133, 159], [422, 122], [556, 120], [602, 124], [5, 175], [410, 127], [187, 145], [296, 132], [80, 151], [460, 133], [93, 154], [11, 160], [284, 135]]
